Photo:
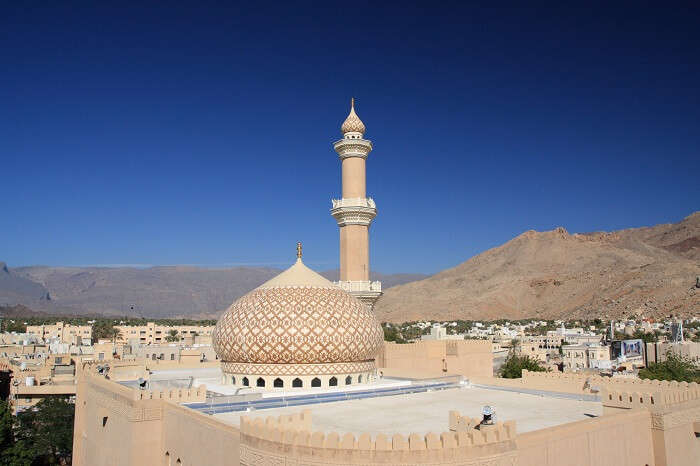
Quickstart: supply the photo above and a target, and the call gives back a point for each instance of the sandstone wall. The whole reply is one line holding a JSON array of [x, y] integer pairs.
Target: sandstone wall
[[470, 358]]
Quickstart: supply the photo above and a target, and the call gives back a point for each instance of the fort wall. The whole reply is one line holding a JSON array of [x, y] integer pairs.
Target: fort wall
[[470, 358], [623, 439], [286, 440], [644, 422], [196, 439]]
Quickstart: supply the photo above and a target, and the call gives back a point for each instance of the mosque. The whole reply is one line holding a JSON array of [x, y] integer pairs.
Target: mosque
[[303, 377], [299, 330]]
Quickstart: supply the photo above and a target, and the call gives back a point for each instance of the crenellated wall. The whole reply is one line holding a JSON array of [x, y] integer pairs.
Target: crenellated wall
[[290, 440], [177, 395], [645, 422], [674, 409]]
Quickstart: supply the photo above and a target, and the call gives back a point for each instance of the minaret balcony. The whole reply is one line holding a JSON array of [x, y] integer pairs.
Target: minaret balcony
[[354, 211], [352, 148], [360, 286]]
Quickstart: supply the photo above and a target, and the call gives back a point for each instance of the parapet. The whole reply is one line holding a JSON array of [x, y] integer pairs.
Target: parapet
[[559, 381], [293, 436], [177, 395], [666, 394]]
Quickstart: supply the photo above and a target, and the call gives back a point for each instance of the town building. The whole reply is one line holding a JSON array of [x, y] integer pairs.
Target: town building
[[657, 352], [65, 333], [153, 334], [586, 356], [438, 332]]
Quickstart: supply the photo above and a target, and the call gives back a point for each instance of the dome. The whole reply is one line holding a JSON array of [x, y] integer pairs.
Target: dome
[[298, 317], [352, 123]]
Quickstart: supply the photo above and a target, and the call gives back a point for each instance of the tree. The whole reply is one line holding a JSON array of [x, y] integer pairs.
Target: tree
[[7, 437], [675, 367], [103, 329], [645, 337], [172, 336], [47, 431], [561, 347], [514, 364], [12, 452]]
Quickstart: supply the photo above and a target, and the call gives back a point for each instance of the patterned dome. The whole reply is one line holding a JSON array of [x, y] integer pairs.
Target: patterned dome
[[352, 123], [298, 317]]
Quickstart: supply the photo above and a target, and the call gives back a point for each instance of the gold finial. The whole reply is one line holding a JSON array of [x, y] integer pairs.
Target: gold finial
[[352, 102], [299, 250]]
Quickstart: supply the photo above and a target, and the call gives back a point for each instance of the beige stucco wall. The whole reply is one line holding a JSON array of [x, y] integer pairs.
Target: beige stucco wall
[[111, 428], [353, 177], [354, 253], [470, 358], [623, 439], [196, 439], [650, 423]]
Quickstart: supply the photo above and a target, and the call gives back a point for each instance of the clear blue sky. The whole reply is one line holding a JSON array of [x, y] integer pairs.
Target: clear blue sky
[[201, 134]]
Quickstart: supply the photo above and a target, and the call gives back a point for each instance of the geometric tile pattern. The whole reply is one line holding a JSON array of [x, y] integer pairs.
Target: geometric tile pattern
[[298, 369], [297, 325], [352, 123]]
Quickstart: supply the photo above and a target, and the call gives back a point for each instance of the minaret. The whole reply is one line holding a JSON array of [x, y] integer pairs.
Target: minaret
[[354, 212]]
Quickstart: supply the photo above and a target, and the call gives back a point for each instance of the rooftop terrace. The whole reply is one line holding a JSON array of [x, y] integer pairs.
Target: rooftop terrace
[[428, 412]]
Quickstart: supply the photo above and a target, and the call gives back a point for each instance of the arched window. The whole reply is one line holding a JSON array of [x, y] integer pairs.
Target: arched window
[[167, 458], [260, 382], [233, 380], [332, 382], [316, 382], [296, 383], [245, 382], [278, 383], [348, 380], [359, 379]]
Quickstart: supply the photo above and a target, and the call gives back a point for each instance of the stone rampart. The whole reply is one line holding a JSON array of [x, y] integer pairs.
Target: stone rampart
[[290, 439], [176, 395]]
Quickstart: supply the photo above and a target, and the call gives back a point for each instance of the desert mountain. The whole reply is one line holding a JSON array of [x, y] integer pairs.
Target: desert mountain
[[649, 271], [172, 291], [16, 289]]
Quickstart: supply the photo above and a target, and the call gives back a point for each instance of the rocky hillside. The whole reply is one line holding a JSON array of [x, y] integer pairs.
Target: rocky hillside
[[17, 289], [641, 271], [177, 291]]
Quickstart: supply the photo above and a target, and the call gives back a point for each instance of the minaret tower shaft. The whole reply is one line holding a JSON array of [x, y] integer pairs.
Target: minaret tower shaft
[[355, 211]]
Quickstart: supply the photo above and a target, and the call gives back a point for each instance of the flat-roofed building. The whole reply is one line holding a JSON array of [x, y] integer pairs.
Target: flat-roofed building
[[66, 333], [153, 334]]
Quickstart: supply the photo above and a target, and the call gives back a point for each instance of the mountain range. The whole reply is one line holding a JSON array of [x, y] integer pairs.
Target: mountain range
[[650, 272], [165, 291]]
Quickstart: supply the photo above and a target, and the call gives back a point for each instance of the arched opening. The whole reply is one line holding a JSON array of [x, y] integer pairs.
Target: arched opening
[[167, 458], [260, 382], [245, 382], [348, 380], [296, 383], [359, 379], [278, 383], [332, 382], [233, 380], [316, 382], [178, 461]]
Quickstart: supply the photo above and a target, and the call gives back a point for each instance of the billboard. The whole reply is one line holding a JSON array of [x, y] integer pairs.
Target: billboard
[[627, 349]]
